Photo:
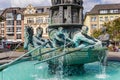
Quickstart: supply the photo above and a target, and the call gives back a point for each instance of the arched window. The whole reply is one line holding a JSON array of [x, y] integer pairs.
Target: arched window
[[19, 17], [9, 16]]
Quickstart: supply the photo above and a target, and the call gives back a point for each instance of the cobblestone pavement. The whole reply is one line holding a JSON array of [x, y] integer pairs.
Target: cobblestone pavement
[[8, 56]]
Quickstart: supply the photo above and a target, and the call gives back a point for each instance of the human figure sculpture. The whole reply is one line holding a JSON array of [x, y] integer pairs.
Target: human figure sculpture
[[82, 40], [28, 37], [104, 37], [37, 37], [33, 41], [60, 37], [39, 41]]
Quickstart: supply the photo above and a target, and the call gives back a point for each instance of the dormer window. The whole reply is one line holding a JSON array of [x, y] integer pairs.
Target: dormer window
[[114, 11], [103, 11]]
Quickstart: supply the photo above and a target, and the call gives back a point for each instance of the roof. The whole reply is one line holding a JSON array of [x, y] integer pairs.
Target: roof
[[97, 8]]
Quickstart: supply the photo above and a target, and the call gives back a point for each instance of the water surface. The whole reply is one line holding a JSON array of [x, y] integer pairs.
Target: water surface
[[29, 71]]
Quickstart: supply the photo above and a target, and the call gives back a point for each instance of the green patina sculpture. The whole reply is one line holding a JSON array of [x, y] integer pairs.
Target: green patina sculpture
[[33, 41], [68, 38], [82, 40], [28, 37]]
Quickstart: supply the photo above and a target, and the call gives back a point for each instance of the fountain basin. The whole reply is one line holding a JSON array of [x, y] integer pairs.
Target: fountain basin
[[28, 71]]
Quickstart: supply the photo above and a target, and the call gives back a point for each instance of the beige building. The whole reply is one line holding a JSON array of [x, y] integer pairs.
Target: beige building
[[100, 14], [37, 17]]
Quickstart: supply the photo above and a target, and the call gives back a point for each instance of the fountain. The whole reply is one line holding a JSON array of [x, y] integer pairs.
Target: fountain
[[67, 51]]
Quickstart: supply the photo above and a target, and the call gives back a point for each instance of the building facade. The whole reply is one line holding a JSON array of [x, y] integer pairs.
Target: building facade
[[15, 20], [101, 14], [12, 28], [1, 25], [37, 17]]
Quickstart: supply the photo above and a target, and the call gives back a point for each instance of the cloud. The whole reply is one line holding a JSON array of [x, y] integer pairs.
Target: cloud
[[24, 3], [4, 3], [110, 1], [89, 4]]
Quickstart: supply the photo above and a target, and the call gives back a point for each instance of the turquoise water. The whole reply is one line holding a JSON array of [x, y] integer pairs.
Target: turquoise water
[[29, 71]]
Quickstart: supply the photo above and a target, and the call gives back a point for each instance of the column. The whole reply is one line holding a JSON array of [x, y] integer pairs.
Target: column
[[5, 29], [69, 15], [50, 22], [15, 35], [60, 14], [81, 16], [61, 1], [22, 30]]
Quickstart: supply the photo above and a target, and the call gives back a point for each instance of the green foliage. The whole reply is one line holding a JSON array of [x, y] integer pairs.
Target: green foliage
[[96, 33], [113, 28], [0, 39], [1, 51], [1, 18]]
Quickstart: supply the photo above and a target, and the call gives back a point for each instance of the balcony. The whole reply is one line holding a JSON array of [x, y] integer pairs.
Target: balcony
[[9, 32]]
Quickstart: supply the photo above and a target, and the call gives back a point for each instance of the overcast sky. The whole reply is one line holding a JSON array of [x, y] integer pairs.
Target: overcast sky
[[88, 4]]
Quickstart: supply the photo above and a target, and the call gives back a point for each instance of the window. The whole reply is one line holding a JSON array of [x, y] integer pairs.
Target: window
[[18, 29], [2, 25], [10, 29], [94, 26], [19, 17], [18, 36], [106, 18], [46, 20], [93, 19], [18, 22], [101, 25], [2, 31], [30, 20], [114, 11], [111, 18], [116, 17], [39, 20], [47, 10], [10, 36], [10, 22], [101, 18], [103, 11], [40, 10], [9, 16]]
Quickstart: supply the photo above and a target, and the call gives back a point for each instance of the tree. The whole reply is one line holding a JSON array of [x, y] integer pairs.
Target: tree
[[113, 28], [1, 18], [96, 33]]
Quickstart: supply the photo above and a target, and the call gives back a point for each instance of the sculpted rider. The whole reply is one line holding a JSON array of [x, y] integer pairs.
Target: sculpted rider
[[104, 37], [82, 40], [39, 41]]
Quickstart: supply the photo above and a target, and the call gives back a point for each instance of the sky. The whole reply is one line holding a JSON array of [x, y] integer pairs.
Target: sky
[[88, 4]]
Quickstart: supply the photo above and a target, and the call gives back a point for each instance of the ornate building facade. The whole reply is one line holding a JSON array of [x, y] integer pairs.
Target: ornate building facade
[[37, 17]]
